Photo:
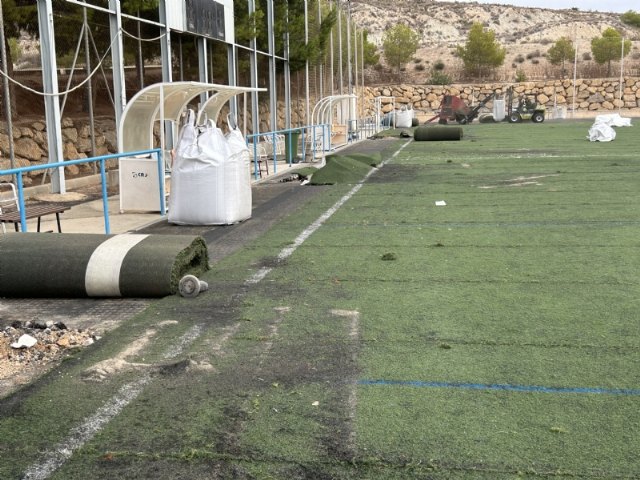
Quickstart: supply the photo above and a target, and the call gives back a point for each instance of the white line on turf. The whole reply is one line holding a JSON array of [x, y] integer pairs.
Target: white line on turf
[[80, 435], [307, 232], [53, 459]]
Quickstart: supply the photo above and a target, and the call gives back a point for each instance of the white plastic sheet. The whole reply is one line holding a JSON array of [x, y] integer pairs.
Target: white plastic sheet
[[601, 132], [613, 120], [602, 129], [210, 178]]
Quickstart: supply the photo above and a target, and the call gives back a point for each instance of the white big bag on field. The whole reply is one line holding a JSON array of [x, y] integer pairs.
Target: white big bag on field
[[210, 178]]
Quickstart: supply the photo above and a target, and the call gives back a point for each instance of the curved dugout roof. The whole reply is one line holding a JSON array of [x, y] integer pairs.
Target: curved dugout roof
[[324, 112], [167, 101]]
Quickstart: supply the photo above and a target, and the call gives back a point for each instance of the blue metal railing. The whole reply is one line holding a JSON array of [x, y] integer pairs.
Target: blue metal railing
[[253, 140], [102, 159]]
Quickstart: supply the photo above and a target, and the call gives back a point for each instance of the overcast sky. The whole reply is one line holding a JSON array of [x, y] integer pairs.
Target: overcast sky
[[619, 6]]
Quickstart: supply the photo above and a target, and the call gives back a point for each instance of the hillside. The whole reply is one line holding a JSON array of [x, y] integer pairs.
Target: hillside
[[527, 33]]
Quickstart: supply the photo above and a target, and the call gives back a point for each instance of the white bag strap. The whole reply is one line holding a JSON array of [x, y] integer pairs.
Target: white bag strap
[[191, 117], [231, 121]]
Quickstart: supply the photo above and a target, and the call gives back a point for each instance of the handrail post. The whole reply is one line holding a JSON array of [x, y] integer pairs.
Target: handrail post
[[105, 199], [160, 163], [23, 213]]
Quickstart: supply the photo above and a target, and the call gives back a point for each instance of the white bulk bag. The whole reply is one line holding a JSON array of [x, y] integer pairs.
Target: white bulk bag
[[404, 118], [210, 179]]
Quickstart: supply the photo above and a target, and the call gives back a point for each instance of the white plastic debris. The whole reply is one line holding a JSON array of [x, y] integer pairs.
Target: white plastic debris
[[614, 120], [25, 341], [190, 286], [441, 203]]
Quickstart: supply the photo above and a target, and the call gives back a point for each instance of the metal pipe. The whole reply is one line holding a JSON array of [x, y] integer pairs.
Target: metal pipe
[[340, 45], [306, 65], [87, 61], [7, 92]]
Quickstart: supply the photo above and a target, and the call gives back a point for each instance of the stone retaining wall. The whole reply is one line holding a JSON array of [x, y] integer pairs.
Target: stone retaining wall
[[591, 95], [31, 147]]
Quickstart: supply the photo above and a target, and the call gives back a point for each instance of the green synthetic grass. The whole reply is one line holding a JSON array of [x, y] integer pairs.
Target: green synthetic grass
[[531, 283]]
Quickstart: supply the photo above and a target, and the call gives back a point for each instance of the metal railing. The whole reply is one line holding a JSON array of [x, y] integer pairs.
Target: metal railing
[[313, 137], [103, 174]]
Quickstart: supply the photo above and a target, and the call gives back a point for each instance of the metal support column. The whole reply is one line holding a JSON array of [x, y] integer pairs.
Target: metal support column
[[232, 61], [321, 62], [167, 133], [165, 44], [7, 94], [50, 86], [273, 94], [253, 61], [203, 65], [307, 120], [331, 73], [340, 46], [349, 77], [117, 59], [287, 77]]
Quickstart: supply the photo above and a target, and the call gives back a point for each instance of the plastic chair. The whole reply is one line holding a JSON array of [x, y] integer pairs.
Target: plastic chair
[[278, 147], [262, 157], [8, 200]]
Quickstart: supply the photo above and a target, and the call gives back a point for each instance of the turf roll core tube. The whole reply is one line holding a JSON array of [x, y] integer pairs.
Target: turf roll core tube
[[94, 265], [437, 133]]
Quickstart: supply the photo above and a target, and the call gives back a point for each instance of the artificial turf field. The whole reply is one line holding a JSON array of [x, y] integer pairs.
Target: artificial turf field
[[494, 337]]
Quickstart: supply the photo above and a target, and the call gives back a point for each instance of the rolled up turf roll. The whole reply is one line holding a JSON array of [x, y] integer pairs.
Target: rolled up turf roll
[[94, 265], [437, 133]]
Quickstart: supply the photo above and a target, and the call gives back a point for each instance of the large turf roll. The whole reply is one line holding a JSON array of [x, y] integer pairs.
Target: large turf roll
[[94, 265], [437, 133]]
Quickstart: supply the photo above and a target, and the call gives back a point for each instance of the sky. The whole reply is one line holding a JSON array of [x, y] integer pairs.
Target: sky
[[619, 6]]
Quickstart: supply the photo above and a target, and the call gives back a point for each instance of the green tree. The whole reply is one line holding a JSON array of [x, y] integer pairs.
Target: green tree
[[370, 54], [481, 53], [399, 44], [631, 18], [609, 47], [16, 17], [560, 52]]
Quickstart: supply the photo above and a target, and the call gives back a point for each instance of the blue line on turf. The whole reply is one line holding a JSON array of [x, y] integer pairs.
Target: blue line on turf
[[498, 386]]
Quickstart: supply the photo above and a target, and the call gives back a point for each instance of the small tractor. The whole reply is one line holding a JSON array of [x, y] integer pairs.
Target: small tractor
[[526, 109], [454, 108]]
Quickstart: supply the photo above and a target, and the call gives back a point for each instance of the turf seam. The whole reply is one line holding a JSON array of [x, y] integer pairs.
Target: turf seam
[[501, 387]]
